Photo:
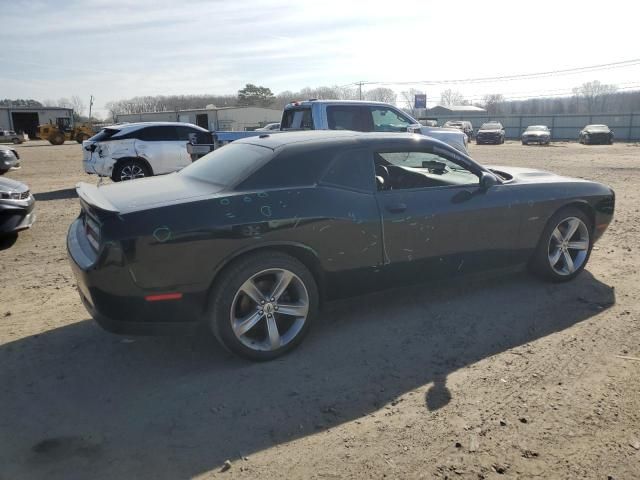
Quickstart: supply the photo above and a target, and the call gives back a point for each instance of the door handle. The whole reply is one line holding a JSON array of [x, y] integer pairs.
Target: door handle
[[396, 207]]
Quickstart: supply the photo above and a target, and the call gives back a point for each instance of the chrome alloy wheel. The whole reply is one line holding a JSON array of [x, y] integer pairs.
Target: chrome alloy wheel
[[269, 309], [568, 246], [131, 172]]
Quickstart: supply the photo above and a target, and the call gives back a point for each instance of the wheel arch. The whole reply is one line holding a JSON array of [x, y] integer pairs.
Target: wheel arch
[[144, 161], [585, 207], [303, 253]]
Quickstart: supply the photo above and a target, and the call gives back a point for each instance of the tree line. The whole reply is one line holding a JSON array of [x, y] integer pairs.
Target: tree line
[[590, 97]]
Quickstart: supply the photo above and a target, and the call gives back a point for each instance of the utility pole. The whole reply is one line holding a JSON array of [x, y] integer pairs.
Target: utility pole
[[359, 89], [90, 106]]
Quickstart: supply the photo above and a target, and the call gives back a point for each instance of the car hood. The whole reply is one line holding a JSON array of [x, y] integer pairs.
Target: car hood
[[531, 175], [490, 131], [594, 131], [452, 136], [133, 195], [9, 185]]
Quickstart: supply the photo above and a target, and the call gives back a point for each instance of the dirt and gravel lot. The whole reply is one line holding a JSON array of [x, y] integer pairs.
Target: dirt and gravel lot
[[498, 377]]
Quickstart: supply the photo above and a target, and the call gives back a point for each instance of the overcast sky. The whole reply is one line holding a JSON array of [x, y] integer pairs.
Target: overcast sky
[[116, 49]]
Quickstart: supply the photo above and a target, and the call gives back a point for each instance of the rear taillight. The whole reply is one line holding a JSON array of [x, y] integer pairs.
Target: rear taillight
[[92, 230]]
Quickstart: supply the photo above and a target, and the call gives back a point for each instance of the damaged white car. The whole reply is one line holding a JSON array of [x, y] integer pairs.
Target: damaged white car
[[136, 150]]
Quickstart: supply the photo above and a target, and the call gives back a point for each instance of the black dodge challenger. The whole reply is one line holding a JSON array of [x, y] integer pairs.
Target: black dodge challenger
[[251, 238]]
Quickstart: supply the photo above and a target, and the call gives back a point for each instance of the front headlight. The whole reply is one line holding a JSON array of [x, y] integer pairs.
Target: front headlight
[[10, 196]]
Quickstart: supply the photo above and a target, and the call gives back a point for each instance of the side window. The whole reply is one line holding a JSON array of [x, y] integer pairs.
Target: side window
[[388, 120], [297, 119], [351, 169], [293, 167], [348, 117], [397, 170], [163, 133], [189, 134]]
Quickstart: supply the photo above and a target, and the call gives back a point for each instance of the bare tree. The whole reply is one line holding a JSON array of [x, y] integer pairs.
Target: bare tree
[[492, 102], [381, 94], [77, 104], [408, 98], [594, 94], [450, 97]]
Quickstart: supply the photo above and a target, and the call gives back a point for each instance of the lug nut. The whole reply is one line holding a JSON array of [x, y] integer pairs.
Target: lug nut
[[273, 299], [268, 315], [276, 307], [261, 302], [261, 312]]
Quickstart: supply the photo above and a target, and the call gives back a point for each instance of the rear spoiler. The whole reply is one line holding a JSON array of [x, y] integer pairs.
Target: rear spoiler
[[91, 194]]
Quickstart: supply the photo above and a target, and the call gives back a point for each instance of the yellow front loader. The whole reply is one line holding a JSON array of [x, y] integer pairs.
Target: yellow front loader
[[63, 130]]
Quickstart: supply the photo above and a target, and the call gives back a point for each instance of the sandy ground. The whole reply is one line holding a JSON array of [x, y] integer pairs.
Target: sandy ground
[[500, 377]]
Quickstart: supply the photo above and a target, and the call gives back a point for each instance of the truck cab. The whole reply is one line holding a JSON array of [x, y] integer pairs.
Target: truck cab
[[361, 116]]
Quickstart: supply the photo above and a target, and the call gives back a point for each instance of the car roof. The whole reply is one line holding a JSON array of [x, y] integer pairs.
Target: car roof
[[333, 138], [342, 102], [129, 127], [532, 126]]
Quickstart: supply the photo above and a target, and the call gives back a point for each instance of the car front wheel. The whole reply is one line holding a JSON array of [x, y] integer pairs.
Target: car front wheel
[[263, 305], [564, 247]]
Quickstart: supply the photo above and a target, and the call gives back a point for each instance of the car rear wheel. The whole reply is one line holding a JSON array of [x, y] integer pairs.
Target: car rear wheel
[[82, 137], [129, 170], [263, 305], [564, 247]]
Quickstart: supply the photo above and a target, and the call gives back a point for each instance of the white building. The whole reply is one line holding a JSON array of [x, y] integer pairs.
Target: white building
[[214, 118], [27, 119]]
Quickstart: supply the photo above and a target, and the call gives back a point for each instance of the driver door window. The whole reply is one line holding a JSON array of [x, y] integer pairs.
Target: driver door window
[[398, 170], [388, 120]]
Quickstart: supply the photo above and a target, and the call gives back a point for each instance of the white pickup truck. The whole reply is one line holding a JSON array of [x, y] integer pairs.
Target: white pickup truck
[[362, 116]]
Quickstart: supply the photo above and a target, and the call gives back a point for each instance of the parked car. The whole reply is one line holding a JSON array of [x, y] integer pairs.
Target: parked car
[[269, 127], [462, 125], [9, 159], [491, 132], [361, 116], [592, 134], [429, 123], [539, 134], [136, 150], [7, 136], [250, 239], [16, 207]]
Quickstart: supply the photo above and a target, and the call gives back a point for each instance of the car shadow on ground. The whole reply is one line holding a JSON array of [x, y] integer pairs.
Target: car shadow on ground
[[76, 399], [62, 194]]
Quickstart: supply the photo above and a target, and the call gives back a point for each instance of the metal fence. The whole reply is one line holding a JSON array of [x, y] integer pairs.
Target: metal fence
[[625, 126]]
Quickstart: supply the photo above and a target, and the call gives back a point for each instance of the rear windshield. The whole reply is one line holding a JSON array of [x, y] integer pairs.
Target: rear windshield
[[104, 134], [297, 119], [537, 128], [600, 128], [228, 165]]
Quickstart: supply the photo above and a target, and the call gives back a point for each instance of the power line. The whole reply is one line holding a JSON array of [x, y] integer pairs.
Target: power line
[[501, 78]]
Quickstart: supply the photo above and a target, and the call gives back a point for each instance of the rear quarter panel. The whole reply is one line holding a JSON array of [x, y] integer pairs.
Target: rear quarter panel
[[186, 244]]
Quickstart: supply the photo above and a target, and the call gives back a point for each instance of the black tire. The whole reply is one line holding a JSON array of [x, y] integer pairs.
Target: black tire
[[524, 143], [15, 141], [82, 137], [137, 169], [540, 264], [227, 288], [57, 139]]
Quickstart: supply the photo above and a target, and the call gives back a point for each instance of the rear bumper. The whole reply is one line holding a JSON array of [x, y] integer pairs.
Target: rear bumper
[[113, 299]]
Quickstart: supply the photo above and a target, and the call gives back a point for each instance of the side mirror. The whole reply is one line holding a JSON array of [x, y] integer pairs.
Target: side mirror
[[487, 180], [415, 128]]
